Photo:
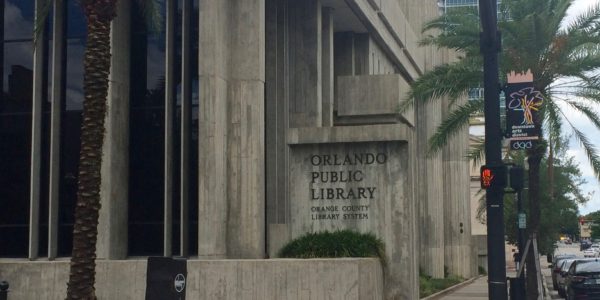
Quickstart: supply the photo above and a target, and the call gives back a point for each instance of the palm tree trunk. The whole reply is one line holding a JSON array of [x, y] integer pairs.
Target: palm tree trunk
[[96, 69], [534, 160], [550, 167]]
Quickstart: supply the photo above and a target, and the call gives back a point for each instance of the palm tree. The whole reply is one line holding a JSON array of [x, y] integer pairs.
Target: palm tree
[[99, 14], [564, 57]]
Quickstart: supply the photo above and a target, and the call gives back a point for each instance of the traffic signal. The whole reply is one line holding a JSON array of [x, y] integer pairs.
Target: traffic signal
[[493, 177], [516, 178]]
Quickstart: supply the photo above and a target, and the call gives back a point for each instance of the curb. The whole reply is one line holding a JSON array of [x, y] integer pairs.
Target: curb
[[546, 289], [452, 288]]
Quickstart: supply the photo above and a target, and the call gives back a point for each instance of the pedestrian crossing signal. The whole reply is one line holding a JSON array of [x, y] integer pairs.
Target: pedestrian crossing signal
[[492, 176]]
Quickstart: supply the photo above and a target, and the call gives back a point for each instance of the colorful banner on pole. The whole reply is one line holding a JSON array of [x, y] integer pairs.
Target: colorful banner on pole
[[523, 104]]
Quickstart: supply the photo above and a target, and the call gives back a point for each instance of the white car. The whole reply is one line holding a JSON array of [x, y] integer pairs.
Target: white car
[[590, 253], [595, 247]]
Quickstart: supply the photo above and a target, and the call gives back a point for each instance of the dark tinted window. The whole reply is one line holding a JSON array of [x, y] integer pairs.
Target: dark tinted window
[[72, 105], [146, 143], [15, 126]]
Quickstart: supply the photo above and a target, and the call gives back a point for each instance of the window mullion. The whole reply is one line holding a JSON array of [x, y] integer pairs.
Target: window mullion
[[186, 120], [57, 100], [169, 127], [39, 94]]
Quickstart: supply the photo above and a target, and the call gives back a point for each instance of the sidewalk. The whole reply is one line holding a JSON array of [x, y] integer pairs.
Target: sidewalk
[[476, 290]]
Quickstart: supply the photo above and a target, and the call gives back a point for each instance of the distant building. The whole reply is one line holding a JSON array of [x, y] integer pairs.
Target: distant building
[[446, 5], [585, 228]]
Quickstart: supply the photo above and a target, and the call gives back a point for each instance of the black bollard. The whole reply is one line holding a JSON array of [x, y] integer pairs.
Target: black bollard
[[3, 290]]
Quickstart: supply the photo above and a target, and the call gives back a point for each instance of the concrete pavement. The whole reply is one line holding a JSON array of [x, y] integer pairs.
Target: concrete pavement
[[476, 290]]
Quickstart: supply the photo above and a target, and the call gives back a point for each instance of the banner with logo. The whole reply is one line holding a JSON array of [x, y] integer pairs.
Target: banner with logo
[[523, 105]]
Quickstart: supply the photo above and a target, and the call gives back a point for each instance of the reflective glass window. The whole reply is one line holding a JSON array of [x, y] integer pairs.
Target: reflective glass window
[[15, 127], [71, 105], [146, 144]]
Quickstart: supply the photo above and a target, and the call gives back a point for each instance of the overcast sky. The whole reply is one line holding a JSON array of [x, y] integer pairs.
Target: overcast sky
[[592, 187]]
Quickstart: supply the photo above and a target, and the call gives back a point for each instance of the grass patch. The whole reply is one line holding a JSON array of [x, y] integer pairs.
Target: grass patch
[[429, 286], [340, 243]]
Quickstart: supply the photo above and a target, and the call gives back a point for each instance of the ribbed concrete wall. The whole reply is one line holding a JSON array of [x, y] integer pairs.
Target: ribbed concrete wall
[[209, 279], [430, 191], [457, 211]]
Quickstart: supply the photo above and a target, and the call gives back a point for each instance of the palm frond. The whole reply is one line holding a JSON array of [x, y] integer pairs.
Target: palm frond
[[589, 149], [585, 20], [448, 80], [458, 29], [587, 111], [450, 127], [577, 194]]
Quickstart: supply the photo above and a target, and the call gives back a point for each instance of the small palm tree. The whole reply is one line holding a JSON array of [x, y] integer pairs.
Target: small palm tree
[[564, 58]]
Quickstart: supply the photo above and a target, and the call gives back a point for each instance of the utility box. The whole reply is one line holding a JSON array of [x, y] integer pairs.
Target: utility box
[[166, 278]]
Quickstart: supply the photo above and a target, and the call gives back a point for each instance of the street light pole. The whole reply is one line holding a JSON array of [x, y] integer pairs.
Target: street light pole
[[490, 46]]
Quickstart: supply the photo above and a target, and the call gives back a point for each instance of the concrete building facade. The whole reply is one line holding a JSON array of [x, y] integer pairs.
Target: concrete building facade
[[230, 129]]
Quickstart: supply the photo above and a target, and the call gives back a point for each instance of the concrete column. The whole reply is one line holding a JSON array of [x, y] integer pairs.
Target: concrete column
[[402, 274], [213, 123], [246, 227], [327, 66], [232, 72], [430, 192], [305, 64], [431, 179], [457, 203], [112, 226], [212, 215]]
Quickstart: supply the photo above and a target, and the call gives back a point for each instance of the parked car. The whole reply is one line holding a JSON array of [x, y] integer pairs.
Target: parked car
[[590, 253], [595, 247], [562, 275], [583, 280], [585, 244], [556, 267]]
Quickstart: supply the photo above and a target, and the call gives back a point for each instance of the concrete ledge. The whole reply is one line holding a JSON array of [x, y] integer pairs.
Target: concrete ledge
[[344, 278], [347, 134], [372, 95], [442, 293]]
